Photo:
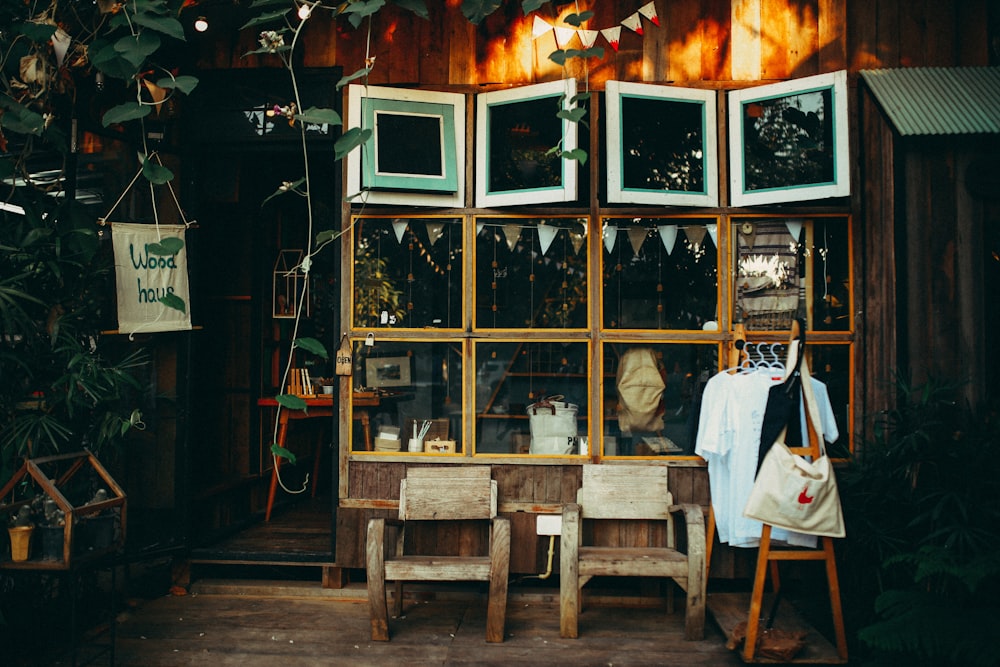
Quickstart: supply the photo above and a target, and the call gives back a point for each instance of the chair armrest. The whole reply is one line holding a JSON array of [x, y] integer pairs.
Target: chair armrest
[[694, 522]]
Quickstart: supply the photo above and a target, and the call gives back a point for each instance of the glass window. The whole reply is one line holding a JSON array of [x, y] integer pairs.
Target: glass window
[[407, 389], [531, 397], [408, 272], [660, 273], [792, 267], [651, 396], [531, 273]]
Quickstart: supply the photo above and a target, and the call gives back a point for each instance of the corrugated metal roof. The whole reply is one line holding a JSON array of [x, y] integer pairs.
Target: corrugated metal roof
[[938, 100]]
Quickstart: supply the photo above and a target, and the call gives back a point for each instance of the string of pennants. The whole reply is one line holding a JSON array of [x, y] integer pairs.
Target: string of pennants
[[588, 38]]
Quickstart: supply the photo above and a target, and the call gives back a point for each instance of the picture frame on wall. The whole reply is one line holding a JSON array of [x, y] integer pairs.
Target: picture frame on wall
[[788, 141], [662, 145], [516, 130], [387, 372], [416, 153]]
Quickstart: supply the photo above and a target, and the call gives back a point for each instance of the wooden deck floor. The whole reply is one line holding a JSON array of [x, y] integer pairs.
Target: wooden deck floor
[[232, 624]]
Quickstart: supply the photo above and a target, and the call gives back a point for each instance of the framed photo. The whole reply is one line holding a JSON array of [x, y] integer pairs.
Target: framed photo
[[515, 131], [416, 154], [662, 145], [789, 141], [387, 372]]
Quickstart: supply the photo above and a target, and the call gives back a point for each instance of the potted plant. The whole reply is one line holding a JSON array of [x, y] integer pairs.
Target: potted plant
[[51, 526]]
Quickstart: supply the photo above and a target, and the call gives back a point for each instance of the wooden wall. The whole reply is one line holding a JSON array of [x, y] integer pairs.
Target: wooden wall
[[697, 41]]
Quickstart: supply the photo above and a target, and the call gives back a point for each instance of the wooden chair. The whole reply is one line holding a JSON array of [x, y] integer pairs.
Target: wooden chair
[[449, 493], [627, 493]]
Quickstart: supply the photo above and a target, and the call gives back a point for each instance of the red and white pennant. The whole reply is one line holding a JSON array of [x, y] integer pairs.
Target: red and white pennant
[[589, 37]]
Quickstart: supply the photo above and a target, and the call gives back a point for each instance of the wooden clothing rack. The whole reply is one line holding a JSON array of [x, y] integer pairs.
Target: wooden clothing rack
[[727, 614]]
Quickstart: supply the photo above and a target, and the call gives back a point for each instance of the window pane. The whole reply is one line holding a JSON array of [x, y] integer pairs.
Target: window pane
[[531, 273], [402, 384], [652, 396], [831, 364], [511, 376], [408, 272], [788, 268], [660, 273]]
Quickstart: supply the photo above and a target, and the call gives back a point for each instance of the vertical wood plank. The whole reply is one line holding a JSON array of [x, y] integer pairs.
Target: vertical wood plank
[[833, 35], [716, 39], [746, 40], [685, 45], [887, 36], [776, 40], [862, 38]]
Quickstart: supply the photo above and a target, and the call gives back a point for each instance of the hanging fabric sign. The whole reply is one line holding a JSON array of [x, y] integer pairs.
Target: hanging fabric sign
[[142, 278]]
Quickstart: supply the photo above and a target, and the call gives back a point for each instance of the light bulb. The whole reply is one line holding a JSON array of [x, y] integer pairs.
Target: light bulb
[[201, 24], [304, 11]]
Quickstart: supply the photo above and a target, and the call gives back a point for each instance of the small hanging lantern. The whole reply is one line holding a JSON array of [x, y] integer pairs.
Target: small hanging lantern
[[289, 284]]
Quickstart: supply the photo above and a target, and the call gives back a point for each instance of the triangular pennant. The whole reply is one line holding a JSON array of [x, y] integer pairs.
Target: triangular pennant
[[633, 23], [564, 36], [695, 234], [588, 37], [649, 11], [539, 27], [399, 226], [512, 233], [794, 228], [60, 44], [546, 235], [610, 234], [713, 231], [612, 35], [636, 236], [668, 233], [434, 230], [577, 239], [479, 228]]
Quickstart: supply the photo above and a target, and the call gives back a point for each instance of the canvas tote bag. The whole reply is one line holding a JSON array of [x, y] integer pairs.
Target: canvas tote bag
[[794, 493]]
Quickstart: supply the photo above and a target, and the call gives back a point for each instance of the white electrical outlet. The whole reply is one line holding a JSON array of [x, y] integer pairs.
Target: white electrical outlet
[[548, 524]]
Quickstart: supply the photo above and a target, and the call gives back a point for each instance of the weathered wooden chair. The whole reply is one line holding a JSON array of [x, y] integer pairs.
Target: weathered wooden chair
[[626, 493], [449, 493]]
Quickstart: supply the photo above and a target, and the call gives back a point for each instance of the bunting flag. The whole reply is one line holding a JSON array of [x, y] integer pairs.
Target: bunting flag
[[695, 234], [713, 231], [60, 44], [611, 34], [610, 234], [434, 231], [399, 226], [512, 233], [668, 233], [636, 236], [546, 235], [794, 228], [577, 239]]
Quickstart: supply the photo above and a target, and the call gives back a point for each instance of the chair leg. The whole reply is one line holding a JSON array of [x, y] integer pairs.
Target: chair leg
[[496, 613], [397, 599], [375, 562], [569, 579]]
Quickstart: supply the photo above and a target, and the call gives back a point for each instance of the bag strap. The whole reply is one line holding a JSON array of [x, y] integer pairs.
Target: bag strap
[[813, 419]]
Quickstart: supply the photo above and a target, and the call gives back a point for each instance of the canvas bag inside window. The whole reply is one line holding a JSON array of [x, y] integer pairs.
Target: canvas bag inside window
[[640, 388]]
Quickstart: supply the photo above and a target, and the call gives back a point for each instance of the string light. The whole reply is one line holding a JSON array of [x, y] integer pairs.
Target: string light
[[201, 24], [304, 11]]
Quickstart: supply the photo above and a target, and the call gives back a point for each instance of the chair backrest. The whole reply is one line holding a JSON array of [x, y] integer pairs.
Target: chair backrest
[[624, 492], [448, 493]]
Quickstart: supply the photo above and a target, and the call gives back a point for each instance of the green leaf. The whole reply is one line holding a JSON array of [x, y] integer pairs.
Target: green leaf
[[168, 246], [319, 116], [173, 301], [137, 47], [577, 154], [37, 32], [477, 10], [269, 17], [185, 84], [19, 118], [528, 6], [350, 140], [156, 173], [290, 401], [358, 10], [558, 57], [267, 3], [578, 19], [268, 50], [328, 235], [125, 112], [283, 453], [312, 345], [351, 77], [418, 7], [104, 57], [165, 24], [574, 115], [579, 97], [284, 189]]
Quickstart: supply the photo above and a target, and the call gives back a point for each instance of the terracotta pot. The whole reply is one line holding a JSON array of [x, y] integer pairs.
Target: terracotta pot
[[20, 542]]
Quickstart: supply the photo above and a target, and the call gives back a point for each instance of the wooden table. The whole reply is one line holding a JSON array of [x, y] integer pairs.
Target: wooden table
[[318, 407]]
